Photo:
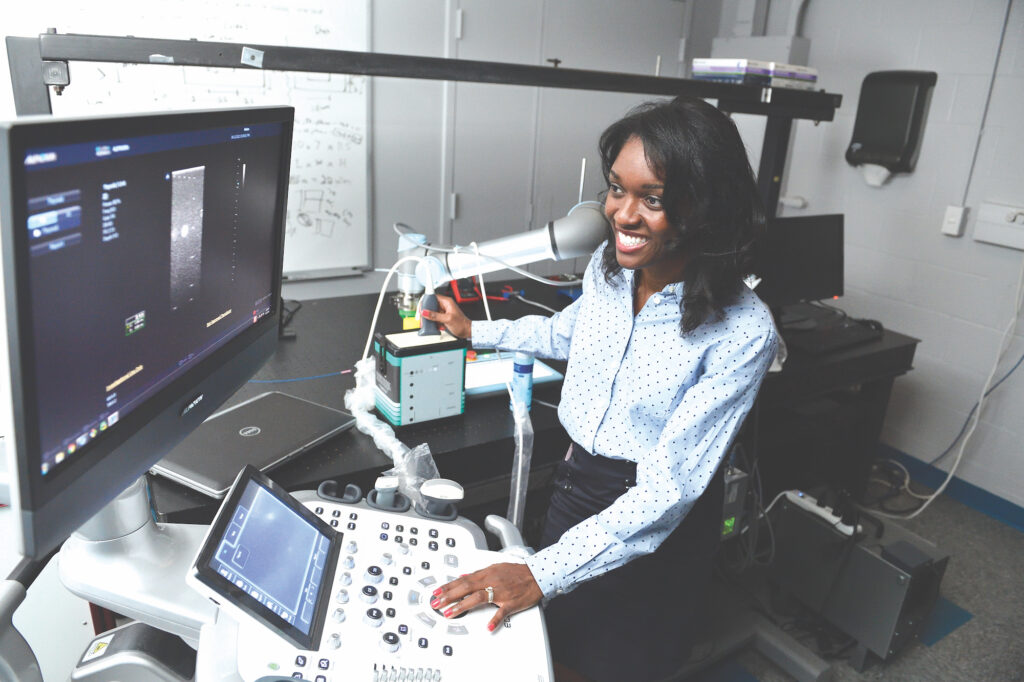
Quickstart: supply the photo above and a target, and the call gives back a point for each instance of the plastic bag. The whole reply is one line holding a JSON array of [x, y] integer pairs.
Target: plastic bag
[[412, 466], [520, 464], [360, 402]]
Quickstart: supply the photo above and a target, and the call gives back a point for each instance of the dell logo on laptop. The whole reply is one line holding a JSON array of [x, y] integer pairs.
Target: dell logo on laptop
[[249, 431]]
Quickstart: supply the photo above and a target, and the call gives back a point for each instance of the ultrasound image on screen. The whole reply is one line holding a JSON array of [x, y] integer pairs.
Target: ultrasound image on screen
[[186, 234], [274, 556], [148, 254]]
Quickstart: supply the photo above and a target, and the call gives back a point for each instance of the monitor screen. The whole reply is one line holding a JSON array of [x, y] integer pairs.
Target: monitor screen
[[142, 261], [240, 559], [800, 259]]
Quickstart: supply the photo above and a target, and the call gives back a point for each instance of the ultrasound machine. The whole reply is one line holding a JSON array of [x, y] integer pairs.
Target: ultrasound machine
[[142, 262]]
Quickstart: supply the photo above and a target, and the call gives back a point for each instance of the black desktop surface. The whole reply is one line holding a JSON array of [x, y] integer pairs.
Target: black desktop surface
[[476, 448], [808, 374]]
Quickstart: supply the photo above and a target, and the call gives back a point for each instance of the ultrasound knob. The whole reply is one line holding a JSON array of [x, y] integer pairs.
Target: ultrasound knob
[[352, 547], [390, 642], [374, 574], [341, 597], [345, 579], [338, 615], [348, 562], [387, 559], [334, 641], [373, 617], [369, 594]]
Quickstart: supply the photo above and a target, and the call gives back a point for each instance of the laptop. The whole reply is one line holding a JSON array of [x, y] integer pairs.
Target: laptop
[[265, 431]]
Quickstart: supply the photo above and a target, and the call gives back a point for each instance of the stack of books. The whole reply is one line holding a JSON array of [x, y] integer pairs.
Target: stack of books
[[755, 72]]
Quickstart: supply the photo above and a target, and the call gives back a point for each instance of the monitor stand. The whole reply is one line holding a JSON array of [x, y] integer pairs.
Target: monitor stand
[[124, 561]]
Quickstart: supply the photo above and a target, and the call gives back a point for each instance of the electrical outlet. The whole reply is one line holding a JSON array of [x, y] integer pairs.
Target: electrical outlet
[[953, 222]]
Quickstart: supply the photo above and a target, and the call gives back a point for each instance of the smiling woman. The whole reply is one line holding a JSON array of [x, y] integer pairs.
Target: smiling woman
[[666, 349], [710, 215], [644, 237]]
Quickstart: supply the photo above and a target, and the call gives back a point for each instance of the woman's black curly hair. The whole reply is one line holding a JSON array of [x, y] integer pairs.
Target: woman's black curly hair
[[710, 197]]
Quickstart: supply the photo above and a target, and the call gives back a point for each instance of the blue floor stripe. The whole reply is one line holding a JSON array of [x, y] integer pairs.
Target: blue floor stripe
[[966, 493], [726, 671], [946, 617]]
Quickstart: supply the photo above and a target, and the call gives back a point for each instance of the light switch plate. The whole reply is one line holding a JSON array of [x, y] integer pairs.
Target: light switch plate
[[953, 222], [1000, 224]]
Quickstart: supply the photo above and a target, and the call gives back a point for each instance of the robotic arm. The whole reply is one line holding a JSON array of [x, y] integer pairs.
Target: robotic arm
[[575, 235]]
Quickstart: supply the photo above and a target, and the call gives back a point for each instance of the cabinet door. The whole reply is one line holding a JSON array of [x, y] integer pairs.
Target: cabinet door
[[494, 125], [621, 37], [517, 151]]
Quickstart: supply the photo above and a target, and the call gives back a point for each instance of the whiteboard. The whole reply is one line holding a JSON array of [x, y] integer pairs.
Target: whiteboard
[[328, 218]]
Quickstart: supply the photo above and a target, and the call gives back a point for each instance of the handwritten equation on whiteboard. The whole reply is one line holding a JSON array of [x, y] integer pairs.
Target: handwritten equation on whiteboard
[[328, 219]]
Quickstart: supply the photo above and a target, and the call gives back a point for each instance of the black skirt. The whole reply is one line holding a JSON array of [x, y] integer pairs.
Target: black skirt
[[639, 621]]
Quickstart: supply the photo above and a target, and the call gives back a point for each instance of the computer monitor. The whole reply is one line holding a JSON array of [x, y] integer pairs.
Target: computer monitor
[[800, 259], [142, 264]]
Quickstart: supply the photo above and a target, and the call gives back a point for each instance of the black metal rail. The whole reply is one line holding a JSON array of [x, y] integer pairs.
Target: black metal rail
[[31, 60]]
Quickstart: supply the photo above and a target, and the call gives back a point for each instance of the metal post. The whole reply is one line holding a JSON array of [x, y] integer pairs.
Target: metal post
[[773, 161], [31, 96]]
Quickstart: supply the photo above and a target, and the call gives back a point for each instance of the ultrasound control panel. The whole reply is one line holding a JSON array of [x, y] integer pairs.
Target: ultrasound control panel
[[376, 620]]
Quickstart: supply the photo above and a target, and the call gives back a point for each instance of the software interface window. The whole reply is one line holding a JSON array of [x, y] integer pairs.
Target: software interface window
[[149, 301]]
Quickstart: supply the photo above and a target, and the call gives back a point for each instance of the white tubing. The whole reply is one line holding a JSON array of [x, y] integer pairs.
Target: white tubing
[[360, 402]]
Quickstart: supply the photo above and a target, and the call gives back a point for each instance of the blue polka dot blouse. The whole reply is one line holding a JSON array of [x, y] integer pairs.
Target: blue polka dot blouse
[[636, 389]]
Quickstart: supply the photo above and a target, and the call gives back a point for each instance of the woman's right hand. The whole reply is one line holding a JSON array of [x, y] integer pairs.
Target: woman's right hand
[[451, 316]]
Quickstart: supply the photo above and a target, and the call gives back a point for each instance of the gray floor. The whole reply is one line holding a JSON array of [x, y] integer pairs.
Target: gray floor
[[984, 576]]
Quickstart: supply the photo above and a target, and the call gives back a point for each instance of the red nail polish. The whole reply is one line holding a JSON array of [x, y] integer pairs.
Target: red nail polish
[[490, 626], [448, 613], [437, 591]]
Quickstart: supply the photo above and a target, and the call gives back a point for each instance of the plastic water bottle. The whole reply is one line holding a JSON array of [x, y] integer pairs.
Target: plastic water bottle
[[522, 379]]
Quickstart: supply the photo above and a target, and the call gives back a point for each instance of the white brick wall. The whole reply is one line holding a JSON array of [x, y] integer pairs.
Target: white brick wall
[[953, 294]]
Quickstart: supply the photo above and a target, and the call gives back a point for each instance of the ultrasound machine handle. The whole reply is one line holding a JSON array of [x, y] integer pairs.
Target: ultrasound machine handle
[[17, 662], [511, 539]]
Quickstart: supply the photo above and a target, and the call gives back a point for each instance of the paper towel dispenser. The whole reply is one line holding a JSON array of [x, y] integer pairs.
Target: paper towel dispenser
[[891, 114]]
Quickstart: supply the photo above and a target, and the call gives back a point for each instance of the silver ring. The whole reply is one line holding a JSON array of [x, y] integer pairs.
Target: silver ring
[[490, 595]]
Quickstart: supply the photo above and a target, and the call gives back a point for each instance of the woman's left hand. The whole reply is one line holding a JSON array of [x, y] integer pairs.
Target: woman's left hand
[[513, 585]]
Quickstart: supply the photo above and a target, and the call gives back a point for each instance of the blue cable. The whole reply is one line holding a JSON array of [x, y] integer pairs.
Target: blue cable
[[971, 413], [286, 381]]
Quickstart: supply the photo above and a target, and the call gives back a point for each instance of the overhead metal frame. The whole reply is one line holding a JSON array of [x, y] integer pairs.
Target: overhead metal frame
[[31, 78]]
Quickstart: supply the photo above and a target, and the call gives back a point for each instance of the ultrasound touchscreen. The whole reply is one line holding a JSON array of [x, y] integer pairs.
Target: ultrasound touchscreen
[[271, 558]]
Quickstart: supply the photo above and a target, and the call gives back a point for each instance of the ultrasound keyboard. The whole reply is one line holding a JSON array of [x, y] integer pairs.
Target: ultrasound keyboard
[[376, 623]]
